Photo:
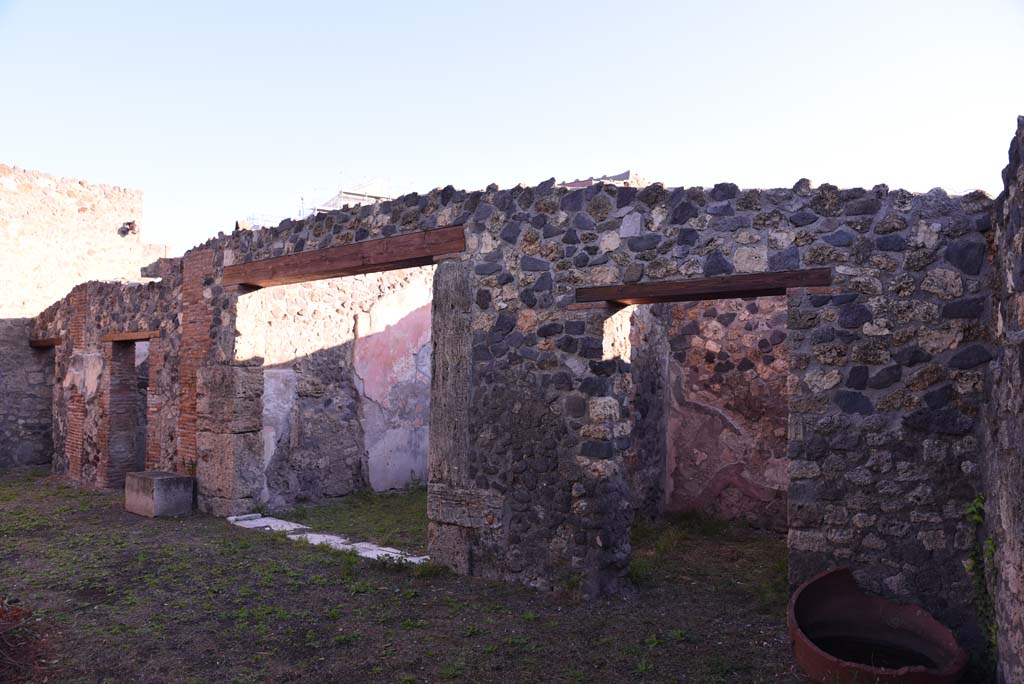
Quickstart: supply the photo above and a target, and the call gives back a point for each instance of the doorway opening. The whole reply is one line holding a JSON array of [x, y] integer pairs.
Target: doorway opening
[[127, 397], [710, 378], [726, 410], [345, 365]]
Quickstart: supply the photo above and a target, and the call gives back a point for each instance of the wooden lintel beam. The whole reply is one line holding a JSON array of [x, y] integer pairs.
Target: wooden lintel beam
[[718, 287], [44, 342], [590, 306], [131, 336], [371, 256]]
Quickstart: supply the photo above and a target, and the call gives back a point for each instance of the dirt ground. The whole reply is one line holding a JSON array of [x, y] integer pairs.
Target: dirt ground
[[119, 598]]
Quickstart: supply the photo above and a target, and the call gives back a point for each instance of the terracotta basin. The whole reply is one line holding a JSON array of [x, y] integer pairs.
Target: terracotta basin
[[841, 635]]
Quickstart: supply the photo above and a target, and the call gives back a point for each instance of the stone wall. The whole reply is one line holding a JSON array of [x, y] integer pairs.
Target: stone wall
[[346, 378], [54, 234], [727, 410], [647, 453], [531, 477], [539, 453], [26, 381], [95, 395], [1004, 465]]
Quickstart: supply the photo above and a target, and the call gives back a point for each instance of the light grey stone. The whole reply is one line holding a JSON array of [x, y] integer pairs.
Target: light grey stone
[[157, 494]]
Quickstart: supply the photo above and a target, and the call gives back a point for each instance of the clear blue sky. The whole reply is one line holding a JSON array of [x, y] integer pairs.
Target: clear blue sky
[[220, 110]]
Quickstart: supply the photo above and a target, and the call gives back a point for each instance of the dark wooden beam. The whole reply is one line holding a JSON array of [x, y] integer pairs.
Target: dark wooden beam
[[44, 342], [719, 287], [371, 256], [131, 336]]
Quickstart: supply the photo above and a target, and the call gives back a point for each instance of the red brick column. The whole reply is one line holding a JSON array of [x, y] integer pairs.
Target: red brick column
[[154, 405], [197, 316], [103, 430], [74, 441]]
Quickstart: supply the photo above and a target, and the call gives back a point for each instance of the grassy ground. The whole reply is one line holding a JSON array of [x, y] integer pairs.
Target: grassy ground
[[118, 598], [396, 520]]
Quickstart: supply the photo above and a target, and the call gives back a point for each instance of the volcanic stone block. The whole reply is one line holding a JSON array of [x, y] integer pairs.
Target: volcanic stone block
[[157, 494]]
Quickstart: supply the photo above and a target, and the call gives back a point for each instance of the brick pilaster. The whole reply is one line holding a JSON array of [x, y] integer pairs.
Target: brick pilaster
[[197, 317], [154, 405], [74, 440]]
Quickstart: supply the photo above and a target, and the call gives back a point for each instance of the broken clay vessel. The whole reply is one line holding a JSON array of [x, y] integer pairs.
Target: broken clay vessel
[[842, 635]]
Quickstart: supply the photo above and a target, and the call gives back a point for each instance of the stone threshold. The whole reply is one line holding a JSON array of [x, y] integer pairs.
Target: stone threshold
[[257, 521]]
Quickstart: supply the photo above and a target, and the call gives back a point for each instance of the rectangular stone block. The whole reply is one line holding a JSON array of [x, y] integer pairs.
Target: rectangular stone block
[[464, 507], [158, 494], [230, 466], [229, 399]]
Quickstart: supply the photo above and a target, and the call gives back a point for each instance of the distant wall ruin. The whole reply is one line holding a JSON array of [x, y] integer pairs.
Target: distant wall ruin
[[97, 379], [54, 234]]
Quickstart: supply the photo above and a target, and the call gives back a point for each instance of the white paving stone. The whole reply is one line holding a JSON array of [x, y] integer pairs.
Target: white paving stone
[[247, 516], [268, 523], [255, 521], [364, 549]]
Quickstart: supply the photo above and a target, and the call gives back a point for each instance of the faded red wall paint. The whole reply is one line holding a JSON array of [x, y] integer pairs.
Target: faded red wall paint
[[727, 412], [385, 359]]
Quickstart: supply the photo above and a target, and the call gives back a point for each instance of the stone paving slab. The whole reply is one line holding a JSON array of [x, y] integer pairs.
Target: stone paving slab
[[364, 549], [260, 522], [256, 521]]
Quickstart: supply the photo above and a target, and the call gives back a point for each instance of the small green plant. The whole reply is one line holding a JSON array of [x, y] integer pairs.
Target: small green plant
[[453, 669], [346, 639], [572, 582], [530, 616], [413, 624], [453, 604], [983, 665], [975, 511], [347, 562], [521, 643], [679, 636], [990, 549], [360, 587], [714, 669], [311, 640], [772, 591], [641, 572], [429, 569]]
